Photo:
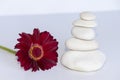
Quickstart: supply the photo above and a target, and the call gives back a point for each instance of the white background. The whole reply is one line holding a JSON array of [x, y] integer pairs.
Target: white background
[[55, 16], [16, 7]]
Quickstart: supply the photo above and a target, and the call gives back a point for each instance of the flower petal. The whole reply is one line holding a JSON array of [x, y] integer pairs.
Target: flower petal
[[22, 46], [36, 36], [51, 46], [45, 37], [25, 39], [52, 56], [46, 64]]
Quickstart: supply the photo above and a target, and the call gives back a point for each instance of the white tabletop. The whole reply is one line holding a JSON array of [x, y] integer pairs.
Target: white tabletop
[[59, 25]]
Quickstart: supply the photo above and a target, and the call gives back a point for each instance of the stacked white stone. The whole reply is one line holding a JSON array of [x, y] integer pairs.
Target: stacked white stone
[[84, 54]]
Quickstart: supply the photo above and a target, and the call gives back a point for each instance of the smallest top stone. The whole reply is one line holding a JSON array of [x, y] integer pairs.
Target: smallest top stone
[[87, 16]]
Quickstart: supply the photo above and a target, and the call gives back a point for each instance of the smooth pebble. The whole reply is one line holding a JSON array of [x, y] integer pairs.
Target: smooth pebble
[[83, 23], [83, 33], [83, 61], [87, 16], [77, 44]]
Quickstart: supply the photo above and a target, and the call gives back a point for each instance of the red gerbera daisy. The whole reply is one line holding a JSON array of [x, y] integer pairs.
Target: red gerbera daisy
[[37, 50]]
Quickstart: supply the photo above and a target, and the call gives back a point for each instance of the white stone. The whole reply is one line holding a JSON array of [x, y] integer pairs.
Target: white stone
[[83, 23], [83, 61], [87, 16], [83, 33], [77, 44]]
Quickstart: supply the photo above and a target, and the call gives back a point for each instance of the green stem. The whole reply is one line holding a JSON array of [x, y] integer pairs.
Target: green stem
[[7, 49]]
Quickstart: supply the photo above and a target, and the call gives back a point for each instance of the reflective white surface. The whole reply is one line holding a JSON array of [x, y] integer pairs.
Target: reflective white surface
[[60, 25]]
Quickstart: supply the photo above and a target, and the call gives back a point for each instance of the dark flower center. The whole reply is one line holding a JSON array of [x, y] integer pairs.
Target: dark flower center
[[36, 52]]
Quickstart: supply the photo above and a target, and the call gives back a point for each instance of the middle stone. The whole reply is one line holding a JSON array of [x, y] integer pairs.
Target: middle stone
[[77, 44], [83, 33]]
